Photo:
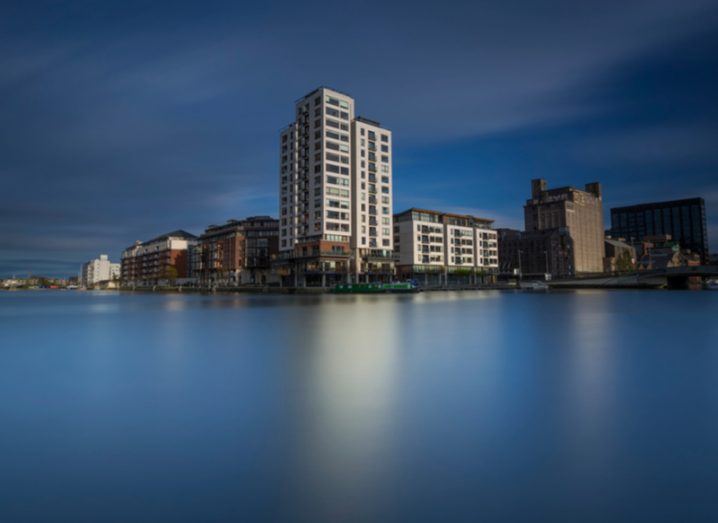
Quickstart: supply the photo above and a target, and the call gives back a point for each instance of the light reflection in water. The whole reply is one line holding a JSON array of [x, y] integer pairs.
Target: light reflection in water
[[590, 379], [346, 415]]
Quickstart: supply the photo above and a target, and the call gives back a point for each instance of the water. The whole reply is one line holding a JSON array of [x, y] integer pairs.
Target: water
[[474, 406]]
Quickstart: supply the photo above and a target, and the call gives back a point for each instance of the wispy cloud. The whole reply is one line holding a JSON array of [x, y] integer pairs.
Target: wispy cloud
[[674, 144]]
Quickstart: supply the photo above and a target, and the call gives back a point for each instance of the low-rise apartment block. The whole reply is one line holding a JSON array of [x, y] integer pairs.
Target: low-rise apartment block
[[438, 248], [159, 260], [240, 252]]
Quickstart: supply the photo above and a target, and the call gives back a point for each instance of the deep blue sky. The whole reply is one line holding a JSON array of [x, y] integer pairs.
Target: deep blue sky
[[124, 120]]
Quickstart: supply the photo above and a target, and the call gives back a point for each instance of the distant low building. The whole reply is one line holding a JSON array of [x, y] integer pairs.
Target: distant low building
[[684, 220], [159, 260], [98, 271], [438, 248], [620, 256], [236, 253], [662, 252], [10, 283]]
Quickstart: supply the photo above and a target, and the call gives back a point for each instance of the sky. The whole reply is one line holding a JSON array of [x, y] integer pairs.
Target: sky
[[125, 120]]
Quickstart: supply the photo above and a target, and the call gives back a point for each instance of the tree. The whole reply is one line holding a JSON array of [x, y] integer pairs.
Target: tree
[[624, 262], [170, 273]]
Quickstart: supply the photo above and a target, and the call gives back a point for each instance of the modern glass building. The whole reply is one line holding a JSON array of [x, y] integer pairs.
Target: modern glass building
[[684, 220]]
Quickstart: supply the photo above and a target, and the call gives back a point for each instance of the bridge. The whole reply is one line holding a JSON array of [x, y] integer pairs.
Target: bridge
[[672, 278]]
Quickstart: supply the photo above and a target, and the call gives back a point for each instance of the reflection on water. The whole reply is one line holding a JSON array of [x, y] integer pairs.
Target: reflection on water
[[459, 406], [345, 414], [590, 381]]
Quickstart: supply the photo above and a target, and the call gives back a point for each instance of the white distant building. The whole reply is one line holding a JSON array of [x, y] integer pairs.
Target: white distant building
[[11, 282], [99, 270]]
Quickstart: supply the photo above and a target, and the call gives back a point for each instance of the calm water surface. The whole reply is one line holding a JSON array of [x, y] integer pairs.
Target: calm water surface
[[473, 406]]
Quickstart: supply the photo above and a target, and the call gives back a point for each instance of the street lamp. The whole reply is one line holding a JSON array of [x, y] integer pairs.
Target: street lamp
[[545, 253]]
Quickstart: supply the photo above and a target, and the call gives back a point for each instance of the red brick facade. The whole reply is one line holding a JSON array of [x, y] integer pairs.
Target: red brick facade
[[163, 258]]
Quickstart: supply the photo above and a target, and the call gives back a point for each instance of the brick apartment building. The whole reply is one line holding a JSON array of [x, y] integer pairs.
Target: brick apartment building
[[161, 259], [237, 253]]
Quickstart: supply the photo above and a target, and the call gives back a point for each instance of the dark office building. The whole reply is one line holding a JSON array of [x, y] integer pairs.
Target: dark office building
[[684, 220]]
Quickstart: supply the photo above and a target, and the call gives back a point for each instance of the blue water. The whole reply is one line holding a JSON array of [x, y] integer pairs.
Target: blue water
[[474, 406]]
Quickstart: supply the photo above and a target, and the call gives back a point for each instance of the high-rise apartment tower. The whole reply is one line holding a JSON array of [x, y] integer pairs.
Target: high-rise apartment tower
[[335, 206]]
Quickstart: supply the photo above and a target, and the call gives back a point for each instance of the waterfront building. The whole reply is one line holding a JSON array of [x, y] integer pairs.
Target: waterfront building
[[535, 254], [237, 253], [509, 247], [620, 256], [549, 252], [661, 251], [194, 262], [164, 259], [569, 224], [335, 196], [11, 283], [684, 220], [372, 230], [439, 248], [97, 271], [563, 234]]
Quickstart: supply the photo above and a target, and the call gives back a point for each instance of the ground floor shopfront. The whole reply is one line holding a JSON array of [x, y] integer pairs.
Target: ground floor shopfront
[[428, 276]]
